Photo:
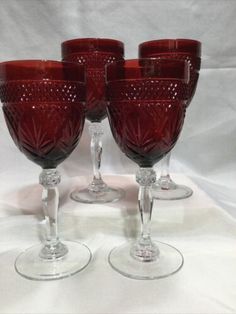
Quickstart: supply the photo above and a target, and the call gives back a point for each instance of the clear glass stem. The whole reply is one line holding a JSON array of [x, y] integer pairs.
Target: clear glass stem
[[96, 132], [144, 249], [53, 248], [165, 181]]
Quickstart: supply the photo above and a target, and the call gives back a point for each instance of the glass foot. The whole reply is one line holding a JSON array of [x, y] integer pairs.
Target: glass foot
[[107, 195], [169, 261], [30, 265], [175, 192]]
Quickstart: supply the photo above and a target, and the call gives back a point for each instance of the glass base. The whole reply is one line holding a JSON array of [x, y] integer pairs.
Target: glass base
[[91, 197], [177, 192], [169, 262], [30, 265]]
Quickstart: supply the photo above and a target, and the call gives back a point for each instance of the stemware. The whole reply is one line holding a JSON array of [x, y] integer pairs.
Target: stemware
[[95, 53], [146, 111], [43, 105], [181, 49]]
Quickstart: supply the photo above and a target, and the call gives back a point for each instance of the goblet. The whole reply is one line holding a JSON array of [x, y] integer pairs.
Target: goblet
[[181, 49], [43, 105], [146, 111], [95, 53]]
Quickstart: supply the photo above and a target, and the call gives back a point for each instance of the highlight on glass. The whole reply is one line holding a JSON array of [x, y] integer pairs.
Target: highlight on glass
[[181, 49], [43, 105], [146, 110], [94, 54]]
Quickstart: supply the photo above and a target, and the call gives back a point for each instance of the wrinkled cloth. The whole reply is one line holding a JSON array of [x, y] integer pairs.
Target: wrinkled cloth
[[204, 233]]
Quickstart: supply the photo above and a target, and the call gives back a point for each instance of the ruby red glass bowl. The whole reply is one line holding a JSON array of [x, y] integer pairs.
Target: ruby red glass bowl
[[94, 53]]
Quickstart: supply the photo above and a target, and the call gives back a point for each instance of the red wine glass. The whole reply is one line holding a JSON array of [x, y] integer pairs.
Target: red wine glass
[[146, 109], [181, 49], [43, 105], [95, 53]]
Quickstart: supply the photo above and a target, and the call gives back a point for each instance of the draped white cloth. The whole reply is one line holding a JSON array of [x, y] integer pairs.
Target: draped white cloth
[[202, 227]]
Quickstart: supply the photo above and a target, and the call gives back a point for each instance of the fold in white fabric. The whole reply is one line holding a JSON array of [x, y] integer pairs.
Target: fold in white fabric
[[197, 226]]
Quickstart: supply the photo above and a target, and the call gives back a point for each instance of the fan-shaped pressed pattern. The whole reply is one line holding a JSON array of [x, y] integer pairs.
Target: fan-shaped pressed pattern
[[95, 80], [45, 132], [44, 120], [145, 130]]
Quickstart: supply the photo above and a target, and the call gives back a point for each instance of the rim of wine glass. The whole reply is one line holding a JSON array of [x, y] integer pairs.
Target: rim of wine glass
[[131, 69], [41, 69], [92, 44], [165, 55], [191, 46], [162, 53]]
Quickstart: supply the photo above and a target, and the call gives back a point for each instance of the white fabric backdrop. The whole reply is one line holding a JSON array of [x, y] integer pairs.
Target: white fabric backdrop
[[205, 151]]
